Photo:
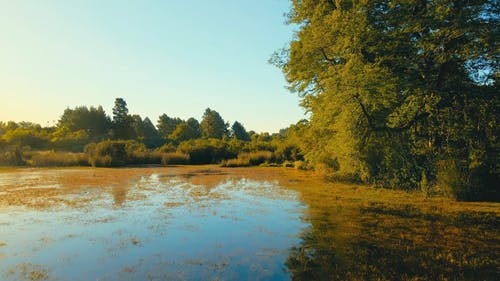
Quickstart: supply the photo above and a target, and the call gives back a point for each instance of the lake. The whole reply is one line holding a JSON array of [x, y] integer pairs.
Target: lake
[[212, 223]]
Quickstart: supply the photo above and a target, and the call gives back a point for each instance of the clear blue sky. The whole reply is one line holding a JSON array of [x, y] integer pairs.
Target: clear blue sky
[[174, 57]]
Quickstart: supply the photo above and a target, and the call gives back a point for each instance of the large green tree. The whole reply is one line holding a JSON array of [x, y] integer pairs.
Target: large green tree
[[92, 120], [167, 125], [212, 125], [122, 121], [396, 89], [239, 131], [186, 131], [146, 132]]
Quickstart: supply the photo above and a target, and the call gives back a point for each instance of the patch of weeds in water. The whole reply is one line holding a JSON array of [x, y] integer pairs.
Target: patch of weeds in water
[[3, 244], [28, 271]]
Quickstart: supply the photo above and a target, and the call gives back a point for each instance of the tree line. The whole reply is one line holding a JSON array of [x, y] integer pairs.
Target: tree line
[[88, 136]]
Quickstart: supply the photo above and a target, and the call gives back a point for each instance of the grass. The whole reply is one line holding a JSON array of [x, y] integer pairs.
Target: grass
[[249, 159]]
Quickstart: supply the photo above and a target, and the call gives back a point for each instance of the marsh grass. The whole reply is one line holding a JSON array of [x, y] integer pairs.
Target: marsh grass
[[175, 158], [250, 159]]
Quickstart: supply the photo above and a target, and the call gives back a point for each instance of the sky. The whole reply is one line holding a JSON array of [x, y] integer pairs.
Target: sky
[[173, 57]]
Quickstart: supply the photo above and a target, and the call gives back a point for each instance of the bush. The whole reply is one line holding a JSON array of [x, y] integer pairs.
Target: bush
[[12, 156], [288, 152], [107, 154], [300, 165], [452, 178], [205, 151], [52, 158], [175, 158], [461, 182]]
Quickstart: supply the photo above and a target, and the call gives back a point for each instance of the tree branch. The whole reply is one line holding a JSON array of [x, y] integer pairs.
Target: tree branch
[[375, 128]]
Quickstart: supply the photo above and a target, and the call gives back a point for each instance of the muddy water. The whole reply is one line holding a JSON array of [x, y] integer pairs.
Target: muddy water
[[147, 224]]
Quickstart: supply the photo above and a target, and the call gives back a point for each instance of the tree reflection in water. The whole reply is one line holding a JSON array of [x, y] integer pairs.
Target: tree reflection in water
[[369, 241]]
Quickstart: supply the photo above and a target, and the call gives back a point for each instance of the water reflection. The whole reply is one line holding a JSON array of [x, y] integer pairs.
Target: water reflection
[[352, 241], [119, 195], [156, 227]]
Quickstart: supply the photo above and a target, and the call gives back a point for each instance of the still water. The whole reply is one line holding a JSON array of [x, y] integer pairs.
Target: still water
[[157, 226], [212, 223]]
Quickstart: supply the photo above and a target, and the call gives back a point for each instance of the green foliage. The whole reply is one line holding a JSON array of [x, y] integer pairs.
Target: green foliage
[[395, 86], [460, 182], [205, 151], [93, 121], [288, 152], [146, 132], [186, 131], [122, 121], [167, 125], [239, 131], [11, 155], [66, 140], [116, 153], [26, 136], [212, 125]]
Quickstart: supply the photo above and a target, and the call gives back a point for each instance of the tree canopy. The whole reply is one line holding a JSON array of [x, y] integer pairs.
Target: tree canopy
[[239, 131], [212, 125], [122, 121], [398, 89]]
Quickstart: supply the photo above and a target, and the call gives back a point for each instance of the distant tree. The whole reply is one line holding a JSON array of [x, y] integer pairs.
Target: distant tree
[[3, 128], [195, 126], [93, 121], [182, 133], [150, 134], [34, 138], [146, 132], [122, 121], [186, 131], [167, 125], [239, 131], [212, 125], [120, 111]]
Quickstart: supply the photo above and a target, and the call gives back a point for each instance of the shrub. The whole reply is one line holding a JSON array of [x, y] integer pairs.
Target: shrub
[[175, 158], [459, 181], [205, 151], [452, 178], [288, 152], [107, 154], [136, 153], [300, 165], [12, 156], [250, 159]]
